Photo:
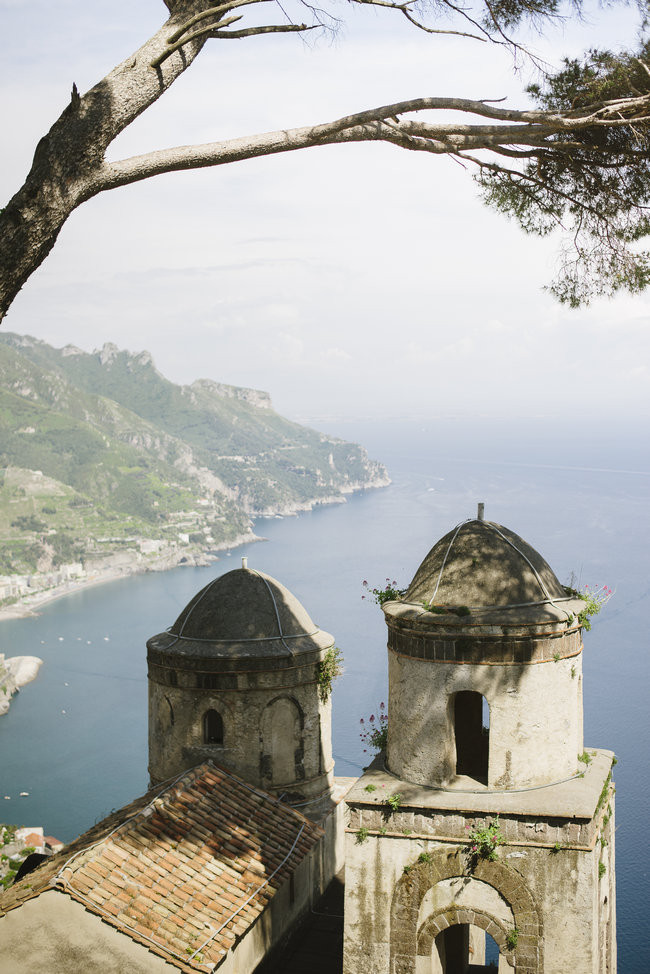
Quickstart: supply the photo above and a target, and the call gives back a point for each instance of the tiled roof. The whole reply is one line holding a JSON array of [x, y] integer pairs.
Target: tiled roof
[[52, 841], [33, 839], [185, 869]]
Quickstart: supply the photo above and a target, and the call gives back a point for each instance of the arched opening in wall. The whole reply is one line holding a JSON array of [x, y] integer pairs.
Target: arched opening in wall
[[281, 734], [466, 949], [212, 727], [472, 733]]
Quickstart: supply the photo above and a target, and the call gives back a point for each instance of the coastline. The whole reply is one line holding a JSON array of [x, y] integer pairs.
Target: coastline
[[28, 605], [16, 672]]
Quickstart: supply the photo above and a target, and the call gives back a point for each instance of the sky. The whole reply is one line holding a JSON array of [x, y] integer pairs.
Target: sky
[[348, 281]]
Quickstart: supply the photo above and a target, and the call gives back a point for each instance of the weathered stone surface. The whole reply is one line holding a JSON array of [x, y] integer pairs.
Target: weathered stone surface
[[246, 652], [517, 646]]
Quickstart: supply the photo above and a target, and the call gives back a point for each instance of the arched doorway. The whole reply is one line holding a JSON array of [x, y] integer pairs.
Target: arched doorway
[[466, 949], [472, 734], [439, 893]]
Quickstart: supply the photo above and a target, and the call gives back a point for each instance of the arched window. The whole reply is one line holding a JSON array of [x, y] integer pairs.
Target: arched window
[[212, 727], [472, 732], [282, 742]]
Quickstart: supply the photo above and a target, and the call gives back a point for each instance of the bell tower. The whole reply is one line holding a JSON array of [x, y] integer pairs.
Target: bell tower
[[237, 679], [486, 824]]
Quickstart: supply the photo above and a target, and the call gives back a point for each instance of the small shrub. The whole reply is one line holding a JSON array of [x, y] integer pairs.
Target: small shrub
[[512, 939], [483, 843], [585, 758], [407, 869], [424, 857], [394, 801], [374, 731], [370, 788], [573, 672], [556, 847], [456, 610], [362, 835], [389, 593], [594, 600], [602, 869]]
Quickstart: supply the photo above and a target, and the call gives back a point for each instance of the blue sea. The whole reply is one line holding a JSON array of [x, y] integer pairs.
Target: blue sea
[[76, 738]]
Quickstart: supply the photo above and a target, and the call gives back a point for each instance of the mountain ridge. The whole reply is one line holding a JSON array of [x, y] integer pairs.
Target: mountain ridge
[[135, 455]]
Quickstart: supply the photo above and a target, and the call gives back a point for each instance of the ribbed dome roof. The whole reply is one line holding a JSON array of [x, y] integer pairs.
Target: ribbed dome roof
[[243, 613], [481, 563]]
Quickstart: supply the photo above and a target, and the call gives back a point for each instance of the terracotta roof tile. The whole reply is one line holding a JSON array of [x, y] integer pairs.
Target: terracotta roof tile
[[176, 867]]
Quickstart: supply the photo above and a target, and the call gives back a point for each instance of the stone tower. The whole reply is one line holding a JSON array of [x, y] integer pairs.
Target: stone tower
[[236, 679], [485, 815]]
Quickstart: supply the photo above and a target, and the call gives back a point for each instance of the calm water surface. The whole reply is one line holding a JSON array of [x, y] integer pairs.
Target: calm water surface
[[76, 738]]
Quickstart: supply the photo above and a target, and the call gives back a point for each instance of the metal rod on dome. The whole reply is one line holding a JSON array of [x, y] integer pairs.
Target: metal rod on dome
[[244, 561], [481, 512]]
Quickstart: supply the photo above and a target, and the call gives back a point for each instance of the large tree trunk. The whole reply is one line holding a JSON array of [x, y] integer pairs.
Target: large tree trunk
[[69, 162]]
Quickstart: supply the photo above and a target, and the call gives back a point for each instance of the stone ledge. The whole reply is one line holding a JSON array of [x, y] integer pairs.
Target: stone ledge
[[574, 799]]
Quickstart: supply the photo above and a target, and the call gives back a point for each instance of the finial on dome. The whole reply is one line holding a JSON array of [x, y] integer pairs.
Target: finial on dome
[[244, 561], [481, 512]]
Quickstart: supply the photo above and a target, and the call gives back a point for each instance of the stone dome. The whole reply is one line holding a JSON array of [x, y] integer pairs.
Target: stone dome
[[483, 564], [243, 613]]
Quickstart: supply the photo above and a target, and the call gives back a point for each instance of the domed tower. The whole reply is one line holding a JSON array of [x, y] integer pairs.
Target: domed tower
[[236, 679], [500, 642], [486, 828]]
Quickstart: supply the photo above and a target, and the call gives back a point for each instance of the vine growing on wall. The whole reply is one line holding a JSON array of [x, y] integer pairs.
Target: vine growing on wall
[[329, 668]]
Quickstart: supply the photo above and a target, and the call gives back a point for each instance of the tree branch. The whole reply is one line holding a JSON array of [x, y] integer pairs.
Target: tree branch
[[217, 11], [204, 32], [535, 131], [253, 31]]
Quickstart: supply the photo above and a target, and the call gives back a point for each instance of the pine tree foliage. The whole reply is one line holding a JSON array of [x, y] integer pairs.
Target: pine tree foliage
[[593, 182]]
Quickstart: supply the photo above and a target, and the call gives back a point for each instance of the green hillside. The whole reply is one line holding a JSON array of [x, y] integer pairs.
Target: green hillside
[[98, 449]]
